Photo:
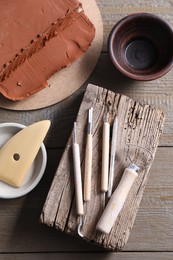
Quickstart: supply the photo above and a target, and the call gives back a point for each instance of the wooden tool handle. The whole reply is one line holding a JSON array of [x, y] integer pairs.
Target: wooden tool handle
[[116, 202], [105, 157], [77, 179], [88, 168]]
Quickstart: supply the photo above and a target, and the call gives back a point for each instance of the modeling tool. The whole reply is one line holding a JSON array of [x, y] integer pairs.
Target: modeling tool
[[105, 157], [112, 156], [88, 158], [77, 180]]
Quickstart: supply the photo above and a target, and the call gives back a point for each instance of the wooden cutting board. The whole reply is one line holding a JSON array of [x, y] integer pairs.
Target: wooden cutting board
[[140, 125], [65, 82]]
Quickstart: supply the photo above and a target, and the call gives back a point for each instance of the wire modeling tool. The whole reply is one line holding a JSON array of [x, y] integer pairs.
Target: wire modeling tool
[[112, 156], [105, 157], [77, 181]]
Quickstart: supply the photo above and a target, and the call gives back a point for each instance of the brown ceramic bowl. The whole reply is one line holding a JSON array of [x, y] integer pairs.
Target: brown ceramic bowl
[[141, 46]]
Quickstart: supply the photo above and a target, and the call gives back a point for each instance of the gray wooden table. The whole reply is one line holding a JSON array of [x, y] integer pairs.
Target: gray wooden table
[[21, 235]]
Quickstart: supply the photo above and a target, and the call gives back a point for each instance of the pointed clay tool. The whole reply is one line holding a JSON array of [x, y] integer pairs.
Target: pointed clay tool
[[112, 156], [18, 153], [105, 157], [88, 158]]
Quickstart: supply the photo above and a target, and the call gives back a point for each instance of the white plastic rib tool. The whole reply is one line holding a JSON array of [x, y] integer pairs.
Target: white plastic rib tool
[[112, 156], [117, 200], [88, 158], [105, 157], [77, 180]]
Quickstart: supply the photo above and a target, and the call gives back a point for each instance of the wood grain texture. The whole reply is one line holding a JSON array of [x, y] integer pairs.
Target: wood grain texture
[[85, 256], [159, 199], [138, 124]]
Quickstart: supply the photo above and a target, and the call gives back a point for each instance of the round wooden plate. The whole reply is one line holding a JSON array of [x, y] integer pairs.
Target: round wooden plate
[[65, 82]]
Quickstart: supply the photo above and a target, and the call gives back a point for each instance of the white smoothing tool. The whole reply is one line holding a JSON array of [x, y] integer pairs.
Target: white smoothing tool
[[119, 196], [117, 199], [77, 181]]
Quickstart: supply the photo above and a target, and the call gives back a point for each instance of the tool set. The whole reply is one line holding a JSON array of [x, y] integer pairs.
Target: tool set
[[119, 196]]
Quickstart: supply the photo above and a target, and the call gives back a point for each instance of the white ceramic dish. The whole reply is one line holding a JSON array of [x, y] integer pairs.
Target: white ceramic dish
[[36, 171]]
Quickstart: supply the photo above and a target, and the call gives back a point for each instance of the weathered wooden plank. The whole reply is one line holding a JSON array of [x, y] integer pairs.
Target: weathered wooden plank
[[138, 124], [86, 256], [21, 232]]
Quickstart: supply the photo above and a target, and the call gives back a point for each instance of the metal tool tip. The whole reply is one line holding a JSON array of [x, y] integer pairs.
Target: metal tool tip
[[104, 200], [75, 132], [90, 115], [80, 227], [107, 117], [79, 230], [109, 193], [116, 119]]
